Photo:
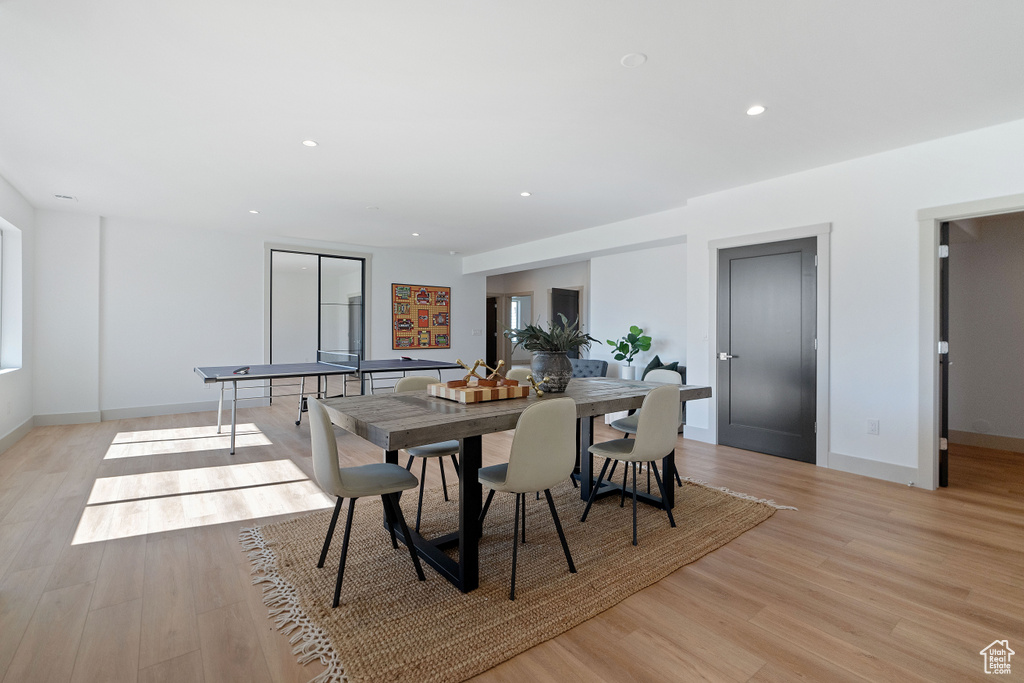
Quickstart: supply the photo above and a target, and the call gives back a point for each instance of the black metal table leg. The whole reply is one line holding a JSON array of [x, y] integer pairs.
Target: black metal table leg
[[668, 470], [470, 495], [586, 458]]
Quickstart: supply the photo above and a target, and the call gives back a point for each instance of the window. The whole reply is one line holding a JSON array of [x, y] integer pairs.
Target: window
[[10, 296], [519, 311]]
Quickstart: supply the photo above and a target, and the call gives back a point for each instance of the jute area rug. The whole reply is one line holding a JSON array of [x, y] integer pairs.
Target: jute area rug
[[391, 627]]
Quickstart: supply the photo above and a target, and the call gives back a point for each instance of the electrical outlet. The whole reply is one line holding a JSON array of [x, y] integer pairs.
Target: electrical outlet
[[873, 427], [478, 333]]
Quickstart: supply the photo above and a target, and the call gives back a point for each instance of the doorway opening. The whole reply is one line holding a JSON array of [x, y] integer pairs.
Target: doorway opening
[[981, 314]]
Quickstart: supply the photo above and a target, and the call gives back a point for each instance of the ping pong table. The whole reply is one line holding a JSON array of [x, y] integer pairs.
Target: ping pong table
[[329, 363]]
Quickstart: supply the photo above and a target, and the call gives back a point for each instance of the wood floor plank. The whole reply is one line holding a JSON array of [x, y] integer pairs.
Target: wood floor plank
[[109, 651], [169, 625], [231, 649], [121, 572], [19, 595], [49, 646], [186, 668]]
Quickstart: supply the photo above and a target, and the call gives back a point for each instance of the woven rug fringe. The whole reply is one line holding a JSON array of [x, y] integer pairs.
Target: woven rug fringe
[[311, 642], [744, 496]]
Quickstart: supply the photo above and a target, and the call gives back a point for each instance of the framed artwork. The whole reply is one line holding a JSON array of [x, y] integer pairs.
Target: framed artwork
[[420, 316]]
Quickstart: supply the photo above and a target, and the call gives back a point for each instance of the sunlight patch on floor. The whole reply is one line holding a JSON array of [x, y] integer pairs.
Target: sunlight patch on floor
[[108, 521], [151, 502], [179, 482], [183, 440]]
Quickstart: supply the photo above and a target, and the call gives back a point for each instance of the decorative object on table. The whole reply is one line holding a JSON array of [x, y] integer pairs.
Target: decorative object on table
[[421, 317], [353, 641], [627, 347], [550, 348], [472, 392]]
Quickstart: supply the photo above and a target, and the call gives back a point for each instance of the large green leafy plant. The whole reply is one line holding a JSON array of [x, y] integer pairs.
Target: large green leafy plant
[[633, 343], [564, 337]]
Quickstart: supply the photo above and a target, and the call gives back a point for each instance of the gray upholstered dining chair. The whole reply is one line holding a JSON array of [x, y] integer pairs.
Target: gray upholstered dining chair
[[588, 367], [657, 430], [521, 375], [543, 453], [627, 425], [378, 479], [431, 450]]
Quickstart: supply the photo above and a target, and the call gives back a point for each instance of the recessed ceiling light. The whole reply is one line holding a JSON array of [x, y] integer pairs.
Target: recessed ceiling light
[[310, 143], [371, 208], [755, 110], [633, 60], [415, 234], [253, 211], [453, 253], [524, 194]]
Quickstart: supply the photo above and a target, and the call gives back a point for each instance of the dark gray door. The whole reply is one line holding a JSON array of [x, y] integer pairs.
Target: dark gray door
[[491, 349], [566, 302], [767, 299], [944, 354]]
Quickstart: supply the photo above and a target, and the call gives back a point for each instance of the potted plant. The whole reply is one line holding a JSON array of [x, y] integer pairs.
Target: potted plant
[[550, 347], [627, 347]]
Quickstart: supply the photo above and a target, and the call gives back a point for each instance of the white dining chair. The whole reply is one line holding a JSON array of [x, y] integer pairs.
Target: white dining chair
[[627, 425], [543, 453], [431, 450], [656, 434], [378, 479]]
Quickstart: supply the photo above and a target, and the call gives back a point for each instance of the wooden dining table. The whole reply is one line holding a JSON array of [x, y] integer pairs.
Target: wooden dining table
[[402, 420]]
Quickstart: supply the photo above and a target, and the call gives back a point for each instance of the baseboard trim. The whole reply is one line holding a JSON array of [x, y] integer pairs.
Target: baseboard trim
[[177, 408], [67, 418], [17, 434], [993, 441], [900, 474]]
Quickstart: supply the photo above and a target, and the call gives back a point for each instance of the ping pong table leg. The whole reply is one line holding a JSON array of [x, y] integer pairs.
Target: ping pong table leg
[[220, 408], [302, 393], [234, 405]]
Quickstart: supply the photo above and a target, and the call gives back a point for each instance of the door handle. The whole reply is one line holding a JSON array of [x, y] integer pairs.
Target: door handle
[[722, 355]]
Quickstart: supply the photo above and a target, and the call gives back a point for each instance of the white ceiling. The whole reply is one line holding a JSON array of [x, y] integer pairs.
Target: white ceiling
[[440, 113]]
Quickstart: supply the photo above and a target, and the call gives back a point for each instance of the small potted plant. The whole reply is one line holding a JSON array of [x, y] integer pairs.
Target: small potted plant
[[626, 349], [550, 348]]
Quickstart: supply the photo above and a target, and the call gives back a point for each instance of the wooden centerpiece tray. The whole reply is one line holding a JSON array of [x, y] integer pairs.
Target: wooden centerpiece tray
[[478, 391]]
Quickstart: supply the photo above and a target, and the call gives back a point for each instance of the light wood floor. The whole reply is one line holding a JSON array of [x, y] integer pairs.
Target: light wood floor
[[867, 581]]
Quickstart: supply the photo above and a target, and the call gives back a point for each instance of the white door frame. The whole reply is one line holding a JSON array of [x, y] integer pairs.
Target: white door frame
[[823, 232], [928, 349]]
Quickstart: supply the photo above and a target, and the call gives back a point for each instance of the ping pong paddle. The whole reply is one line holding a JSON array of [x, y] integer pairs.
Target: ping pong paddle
[[406, 358], [242, 371]]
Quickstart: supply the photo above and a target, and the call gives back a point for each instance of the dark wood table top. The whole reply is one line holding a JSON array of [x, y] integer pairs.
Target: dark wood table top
[[396, 421]]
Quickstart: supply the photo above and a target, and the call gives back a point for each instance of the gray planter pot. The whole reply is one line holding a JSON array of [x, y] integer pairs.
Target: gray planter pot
[[555, 366]]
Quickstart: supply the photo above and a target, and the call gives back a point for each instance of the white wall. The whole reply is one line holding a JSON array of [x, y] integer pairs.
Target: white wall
[[644, 288], [986, 331], [872, 205], [172, 298], [468, 301], [67, 320], [540, 282], [16, 411]]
